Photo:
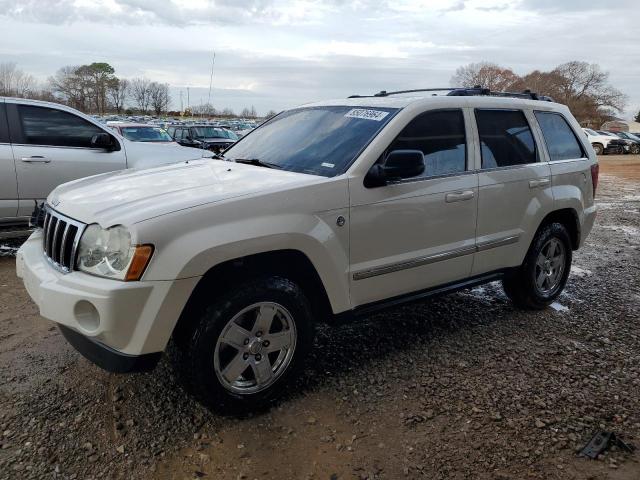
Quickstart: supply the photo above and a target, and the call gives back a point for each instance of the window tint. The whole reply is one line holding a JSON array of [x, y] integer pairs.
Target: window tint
[[440, 135], [4, 129], [505, 138], [562, 143], [48, 126]]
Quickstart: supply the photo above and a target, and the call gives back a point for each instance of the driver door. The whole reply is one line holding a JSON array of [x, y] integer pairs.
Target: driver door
[[52, 147], [419, 232]]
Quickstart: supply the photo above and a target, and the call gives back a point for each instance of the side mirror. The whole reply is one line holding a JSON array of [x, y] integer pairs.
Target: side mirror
[[102, 140], [398, 164]]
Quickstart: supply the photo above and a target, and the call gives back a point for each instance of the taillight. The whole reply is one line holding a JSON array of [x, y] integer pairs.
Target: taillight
[[595, 171]]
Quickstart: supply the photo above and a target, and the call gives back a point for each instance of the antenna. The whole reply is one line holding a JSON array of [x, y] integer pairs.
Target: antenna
[[213, 62]]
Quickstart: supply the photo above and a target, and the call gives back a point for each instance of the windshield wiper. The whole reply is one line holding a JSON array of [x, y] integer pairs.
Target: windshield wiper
[[258, 163]]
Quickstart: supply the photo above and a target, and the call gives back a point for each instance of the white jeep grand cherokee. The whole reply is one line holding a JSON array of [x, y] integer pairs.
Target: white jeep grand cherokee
[[330, 210]]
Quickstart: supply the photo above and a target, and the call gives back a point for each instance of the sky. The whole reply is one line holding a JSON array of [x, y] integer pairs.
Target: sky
[[276, 54]]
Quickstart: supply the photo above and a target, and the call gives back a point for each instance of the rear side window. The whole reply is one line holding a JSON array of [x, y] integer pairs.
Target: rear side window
[[4, 128], [562, 143], [48, 126], [505, 138], [440, 135]]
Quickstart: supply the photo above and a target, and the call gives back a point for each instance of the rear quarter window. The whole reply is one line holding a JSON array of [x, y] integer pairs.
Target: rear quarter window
[[562, 143]]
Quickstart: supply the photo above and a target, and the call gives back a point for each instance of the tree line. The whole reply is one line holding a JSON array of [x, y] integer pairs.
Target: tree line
[[94, 88], [583, 87]]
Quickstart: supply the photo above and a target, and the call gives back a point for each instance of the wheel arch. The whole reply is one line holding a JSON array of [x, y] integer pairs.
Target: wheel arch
[[292, 264], [568, 217]]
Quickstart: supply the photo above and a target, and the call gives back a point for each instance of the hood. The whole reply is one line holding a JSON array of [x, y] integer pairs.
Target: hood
[[131, 196], [148, 154]]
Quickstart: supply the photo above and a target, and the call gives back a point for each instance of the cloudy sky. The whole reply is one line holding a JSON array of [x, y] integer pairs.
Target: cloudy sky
[[276, 54]]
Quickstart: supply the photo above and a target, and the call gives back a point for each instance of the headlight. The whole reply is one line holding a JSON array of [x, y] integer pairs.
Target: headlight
[[109, 253]]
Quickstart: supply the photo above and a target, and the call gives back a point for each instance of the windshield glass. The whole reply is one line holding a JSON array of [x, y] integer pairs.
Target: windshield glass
[[213, 132], [146, 134], [315, 140]]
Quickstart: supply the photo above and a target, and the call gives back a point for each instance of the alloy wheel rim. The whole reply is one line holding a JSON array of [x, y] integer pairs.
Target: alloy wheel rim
[[550, 266], [255, 348]]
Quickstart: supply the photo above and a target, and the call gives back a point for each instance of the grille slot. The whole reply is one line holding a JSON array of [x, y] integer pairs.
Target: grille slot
[[60, 238]]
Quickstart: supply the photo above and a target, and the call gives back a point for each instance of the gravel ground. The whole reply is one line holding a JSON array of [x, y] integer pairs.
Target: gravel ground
[[460, 387]]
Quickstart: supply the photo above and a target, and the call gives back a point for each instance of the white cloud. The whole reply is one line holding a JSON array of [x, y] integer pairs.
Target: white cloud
[[277, 54]]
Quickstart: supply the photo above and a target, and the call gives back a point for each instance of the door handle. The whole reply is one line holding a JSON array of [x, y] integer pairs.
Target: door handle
[[459, 196], [36, 159], [543, 182]]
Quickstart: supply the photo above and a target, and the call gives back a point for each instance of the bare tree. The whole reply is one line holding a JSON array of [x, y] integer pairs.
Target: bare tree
[[637, 117], [159, 97], [486, 74], [118, 92], [270, 113], [15, 82], [74, 86], [141, 93]]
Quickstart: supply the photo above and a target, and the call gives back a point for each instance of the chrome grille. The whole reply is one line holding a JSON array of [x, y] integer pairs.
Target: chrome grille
[[60, 238]]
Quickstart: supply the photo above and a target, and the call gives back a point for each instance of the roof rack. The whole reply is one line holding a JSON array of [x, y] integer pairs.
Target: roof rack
[[465, 92]]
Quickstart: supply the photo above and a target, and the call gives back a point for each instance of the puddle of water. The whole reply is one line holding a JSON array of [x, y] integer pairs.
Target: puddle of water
[[558, 307]]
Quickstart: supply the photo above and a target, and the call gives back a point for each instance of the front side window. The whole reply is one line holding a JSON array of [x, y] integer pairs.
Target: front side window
[[49, 126], [562, 143], [505, 138], [315, 140], [440, 136]]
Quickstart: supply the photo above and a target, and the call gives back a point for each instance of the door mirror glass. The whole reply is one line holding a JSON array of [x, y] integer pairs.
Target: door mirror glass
[[398, 164]]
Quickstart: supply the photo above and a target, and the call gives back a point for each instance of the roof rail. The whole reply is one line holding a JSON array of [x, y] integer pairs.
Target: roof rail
[[465, 92]]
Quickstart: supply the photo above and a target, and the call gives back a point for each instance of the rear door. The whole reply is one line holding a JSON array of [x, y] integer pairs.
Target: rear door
[[514, 187], [8, 184], [53, 146]]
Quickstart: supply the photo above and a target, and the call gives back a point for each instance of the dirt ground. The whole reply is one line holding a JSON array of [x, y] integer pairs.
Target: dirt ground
[[459, 387]]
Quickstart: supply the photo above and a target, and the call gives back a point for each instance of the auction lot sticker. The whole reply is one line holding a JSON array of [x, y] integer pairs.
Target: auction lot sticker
[[367, 114]]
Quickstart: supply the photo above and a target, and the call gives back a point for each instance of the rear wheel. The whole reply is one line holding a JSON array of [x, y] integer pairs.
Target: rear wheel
[[543, 275], [635, 149], [247, 344], [599, 149]]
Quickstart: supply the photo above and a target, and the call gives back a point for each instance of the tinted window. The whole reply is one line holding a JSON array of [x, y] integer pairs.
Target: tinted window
[[171, 131], [48, 126], [315, 140], [4, 129], [440, 135], [562, 143], [505, 138]]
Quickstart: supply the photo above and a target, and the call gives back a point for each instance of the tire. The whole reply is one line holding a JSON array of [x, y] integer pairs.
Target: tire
[[543, 274], [231, 360], [635, 149], [599, 149]]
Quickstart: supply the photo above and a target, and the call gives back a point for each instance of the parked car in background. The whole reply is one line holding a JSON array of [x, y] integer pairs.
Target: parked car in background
[[203, 136], [139, 132], [331, 211], [44, 144], [633, 141], [603, 144], [626, 144]]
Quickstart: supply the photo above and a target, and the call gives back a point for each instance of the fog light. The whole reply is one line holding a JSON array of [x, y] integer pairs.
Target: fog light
[[87, 315]]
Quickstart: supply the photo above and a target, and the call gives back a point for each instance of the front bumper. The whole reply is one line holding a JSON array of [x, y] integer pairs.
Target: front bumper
[[99, 315]]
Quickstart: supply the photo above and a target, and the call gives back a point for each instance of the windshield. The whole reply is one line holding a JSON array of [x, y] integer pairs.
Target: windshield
[[213, 132], [145, 134], [316, 140]]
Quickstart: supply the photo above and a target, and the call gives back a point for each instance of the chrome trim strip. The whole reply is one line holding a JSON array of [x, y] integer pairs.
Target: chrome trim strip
[[417, 262], [438, 257], [501, 242]]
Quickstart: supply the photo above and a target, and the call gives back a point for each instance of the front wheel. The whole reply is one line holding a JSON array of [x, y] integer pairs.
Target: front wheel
[[247, 344], [543, 275], [635, 149]]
